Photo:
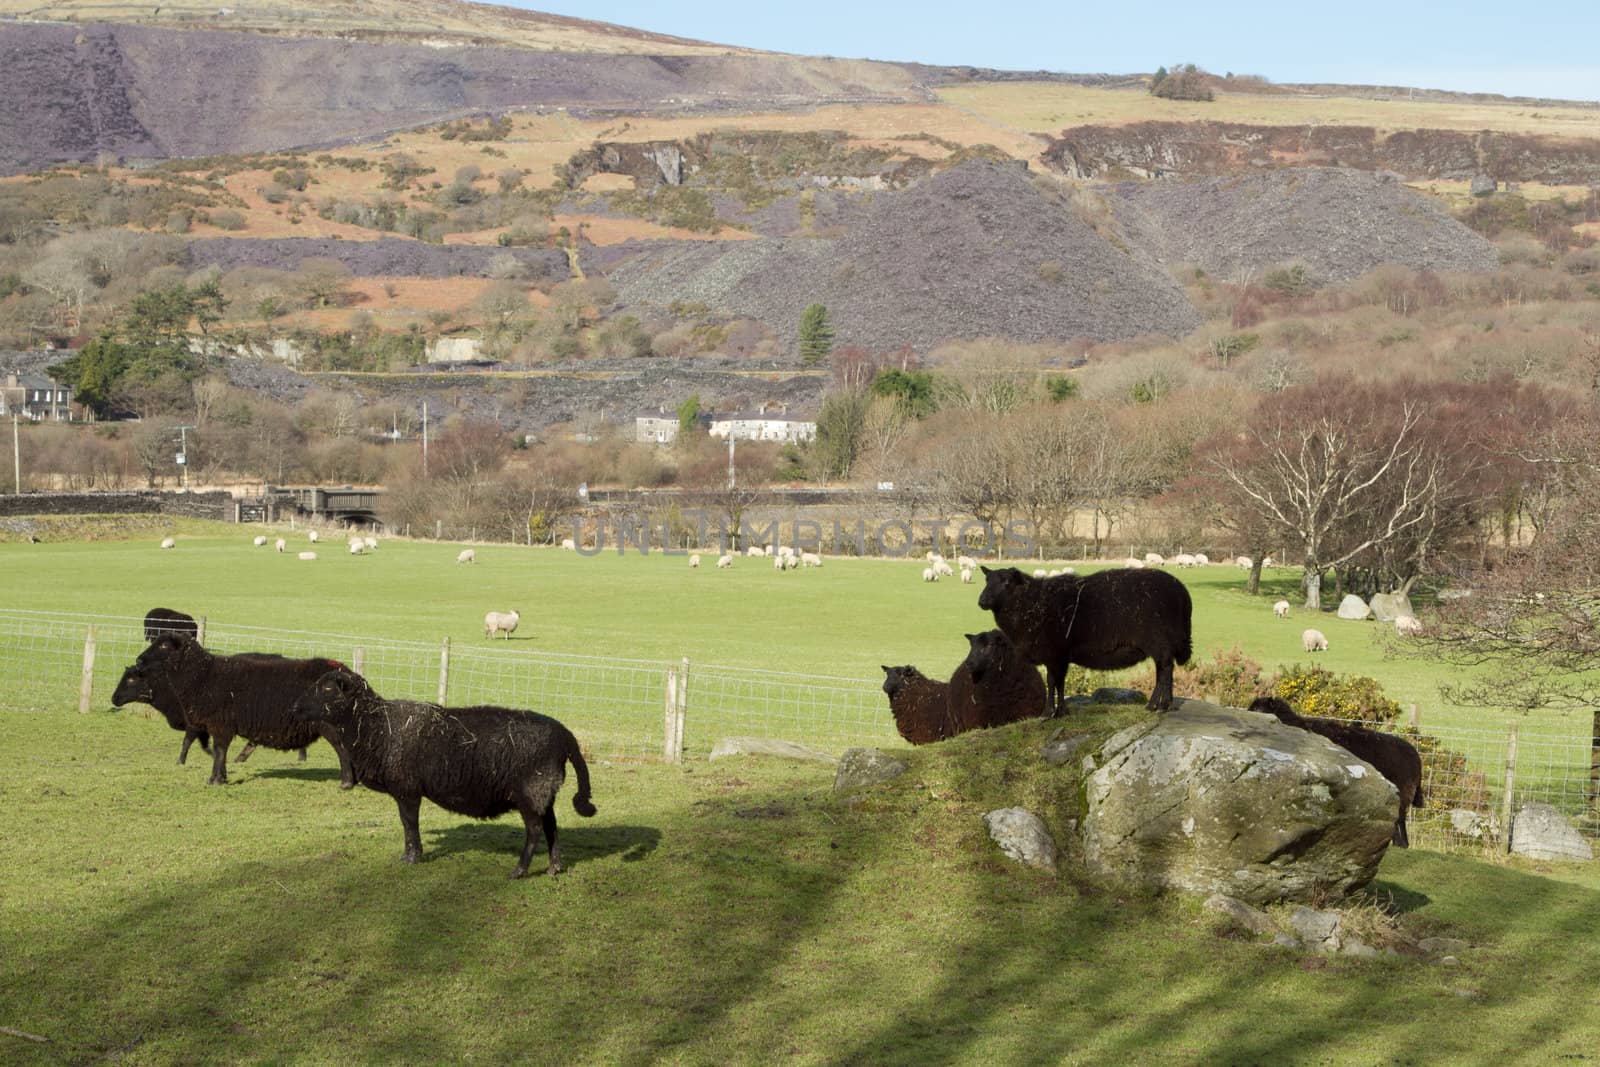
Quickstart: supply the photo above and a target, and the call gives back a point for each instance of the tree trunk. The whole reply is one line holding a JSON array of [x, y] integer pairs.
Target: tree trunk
[[1253, 586], [1594, 758], [1312, 580]]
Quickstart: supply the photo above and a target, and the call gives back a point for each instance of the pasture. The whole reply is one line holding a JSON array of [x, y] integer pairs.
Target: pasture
[[712, 912]]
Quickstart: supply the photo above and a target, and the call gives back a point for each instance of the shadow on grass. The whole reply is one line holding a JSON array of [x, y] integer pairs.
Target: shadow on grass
[[293, 774], [579, 843]]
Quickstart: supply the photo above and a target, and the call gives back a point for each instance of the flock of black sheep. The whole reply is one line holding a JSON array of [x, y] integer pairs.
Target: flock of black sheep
[[484, 761]]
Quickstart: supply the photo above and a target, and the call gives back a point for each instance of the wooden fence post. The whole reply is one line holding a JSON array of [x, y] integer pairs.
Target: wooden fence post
[[358, 659], [669, 719], [86, 683], [1416, 716], [444, 669], [1510, 785], [200, 630], [683, 709]]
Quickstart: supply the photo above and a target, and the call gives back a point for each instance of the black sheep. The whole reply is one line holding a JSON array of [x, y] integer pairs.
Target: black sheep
[[1394, 757], [920, 705], [479, 761], [1001, 686], [247, 695], [158, 621], [1103, 621]]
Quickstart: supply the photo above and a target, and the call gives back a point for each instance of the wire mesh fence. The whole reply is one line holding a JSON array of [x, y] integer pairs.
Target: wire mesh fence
[[1475, 779]]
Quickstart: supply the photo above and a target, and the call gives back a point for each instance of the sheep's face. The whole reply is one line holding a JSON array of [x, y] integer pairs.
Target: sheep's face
[[987, 652], [998, 586], [896, 678], [1276, 706], [165, 649], [134, 686], [332, 695]]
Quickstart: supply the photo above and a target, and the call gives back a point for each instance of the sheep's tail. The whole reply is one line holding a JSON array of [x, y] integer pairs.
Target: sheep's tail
[[580, 800], [1416, 801], [1185, 650]]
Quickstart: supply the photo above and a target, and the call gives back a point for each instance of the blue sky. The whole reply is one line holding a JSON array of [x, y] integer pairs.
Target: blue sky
[[1550, 49]]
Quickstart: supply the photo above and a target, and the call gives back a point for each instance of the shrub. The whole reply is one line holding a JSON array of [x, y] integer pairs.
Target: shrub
[[227, 220], [1318, 691], [1229, 678]]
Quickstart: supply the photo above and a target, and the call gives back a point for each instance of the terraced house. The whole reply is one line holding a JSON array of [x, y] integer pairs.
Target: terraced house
[[38, 397]]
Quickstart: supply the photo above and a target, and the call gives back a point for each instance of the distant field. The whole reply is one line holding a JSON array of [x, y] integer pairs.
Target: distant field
[[1049, 107]]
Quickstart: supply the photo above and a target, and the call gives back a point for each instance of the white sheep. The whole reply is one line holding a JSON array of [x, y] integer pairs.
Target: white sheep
[[283, 545], [1244, 563], [569, 544], [1068, 570], [1281, 609], [371, 543], [780, 563], [1134, 564], [943, 569], [1040, 572], [466, 555], [966, 575], [357, 546], [1407, 625], [1202, 560], [501, 622], [966, 563], [312, 537], [1268, 562], [931, 555], [811, 559], [785, 550], [1313, 641], [261, 539], [308, 555], [1184, 559], [724, 561], [755, 550], [694, 561], [169, 542], [929, 574], [1154, 559]]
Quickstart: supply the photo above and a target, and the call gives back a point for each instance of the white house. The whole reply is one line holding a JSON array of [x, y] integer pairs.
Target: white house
[[768, 422]]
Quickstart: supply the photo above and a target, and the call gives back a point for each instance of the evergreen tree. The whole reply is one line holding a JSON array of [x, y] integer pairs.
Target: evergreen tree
[[816, 335]]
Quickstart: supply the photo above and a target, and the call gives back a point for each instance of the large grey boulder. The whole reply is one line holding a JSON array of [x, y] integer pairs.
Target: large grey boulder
[[1353, 607], [1022, 836], [1387, 607], [1482, 185], [1541, 832], [1208, 799]]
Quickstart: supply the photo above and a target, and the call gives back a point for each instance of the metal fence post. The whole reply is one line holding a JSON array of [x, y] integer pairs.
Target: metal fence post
[[1510, 784], [444, 669], [86, 684]]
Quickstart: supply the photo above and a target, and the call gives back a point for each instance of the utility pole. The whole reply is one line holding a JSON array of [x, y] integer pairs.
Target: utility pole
[[16, 452], [183, 453], [730, 458], [424, 438]]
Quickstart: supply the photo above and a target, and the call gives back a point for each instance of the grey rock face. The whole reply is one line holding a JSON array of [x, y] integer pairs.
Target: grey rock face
[[1252, 919], [767, 746], [1022, 836], [1058, 752], [1541, 832], [1217, 800], [1315, 927], [863, 768], [1114, 695], [1353, 607]]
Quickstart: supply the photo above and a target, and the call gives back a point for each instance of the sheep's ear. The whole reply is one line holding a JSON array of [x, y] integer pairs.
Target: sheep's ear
[[971, 638], [886, 670], [984, 569]]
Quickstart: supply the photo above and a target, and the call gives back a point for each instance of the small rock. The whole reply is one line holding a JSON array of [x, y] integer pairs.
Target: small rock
[[767, 746], [1359, 950], [1285, 941], [1114, 695], [1257, 922], [1449, 961], [1089, 765], [1436, 946], [863, 768], [1022, 836], [1317, 927], [1482, 185], [1058, 752]]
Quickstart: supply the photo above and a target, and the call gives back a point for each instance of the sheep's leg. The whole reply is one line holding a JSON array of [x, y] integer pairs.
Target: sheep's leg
[[189, 737], [302, 756], [1400, 838], [531, 821], [549, 821], [408, 822], [1055, 689], [347, 773], [219, 759], [1161, 693], [244, 753]]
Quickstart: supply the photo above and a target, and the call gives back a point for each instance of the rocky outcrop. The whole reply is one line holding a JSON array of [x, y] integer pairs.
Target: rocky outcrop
[[1541, 832], [1195, 149], [1207, 799], [1353, 607]]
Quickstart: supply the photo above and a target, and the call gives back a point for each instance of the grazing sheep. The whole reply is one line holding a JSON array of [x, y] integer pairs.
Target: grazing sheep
[[694, 561], [308, 555], [169, 542], [929, 574], [1314, 641], [966, 563], [569, 544], [497, 622], [811, 559], [1244, 563], [282, 545], [261, 540], [1154, 559], [371, 543], [966, 576], [1281, 609], [312, 536], [1040, 572], [1202, 560], [1394, 757], [1184, 559], [1407, 625], [942, 569], [1268, 562], [998, 684], [1131, 564], [480, 761], [357, 546], [724, 561], [158, 621], [1103, 621], [246, 695], [752, 551], [780, 563], [467, 555]]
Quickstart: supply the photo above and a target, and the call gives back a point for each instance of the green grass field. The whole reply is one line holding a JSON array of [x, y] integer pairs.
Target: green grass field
[[714, 912]]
